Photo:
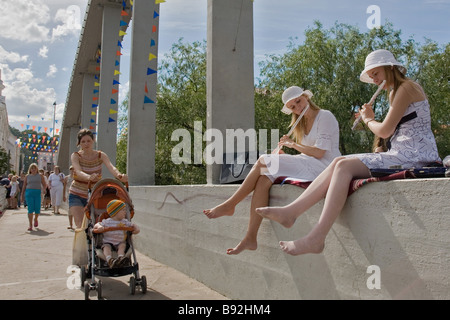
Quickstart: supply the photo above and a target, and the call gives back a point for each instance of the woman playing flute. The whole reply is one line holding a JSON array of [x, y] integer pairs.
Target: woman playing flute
[[412, 144], [316, 137]]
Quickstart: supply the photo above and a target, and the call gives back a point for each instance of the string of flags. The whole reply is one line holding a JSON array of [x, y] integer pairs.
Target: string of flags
[[152, 56], [39, 144], [39, 128]]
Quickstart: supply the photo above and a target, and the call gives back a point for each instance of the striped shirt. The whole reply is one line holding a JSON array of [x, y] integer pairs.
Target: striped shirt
[[80, 188]]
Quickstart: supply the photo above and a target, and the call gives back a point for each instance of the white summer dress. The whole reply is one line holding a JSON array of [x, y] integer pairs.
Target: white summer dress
[[324, 135], [412, 145]]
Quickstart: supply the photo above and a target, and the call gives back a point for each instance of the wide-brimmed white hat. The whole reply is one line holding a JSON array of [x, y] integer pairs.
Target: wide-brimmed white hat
[[292, 93], [379, 58]]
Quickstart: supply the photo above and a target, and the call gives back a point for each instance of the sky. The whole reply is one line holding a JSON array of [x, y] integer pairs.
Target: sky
[[38, 40]]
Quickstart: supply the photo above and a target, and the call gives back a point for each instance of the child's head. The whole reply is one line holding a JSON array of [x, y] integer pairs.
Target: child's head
[[116, 209]]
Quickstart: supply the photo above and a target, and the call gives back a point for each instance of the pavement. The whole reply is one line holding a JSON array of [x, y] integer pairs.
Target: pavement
[[36, 265]]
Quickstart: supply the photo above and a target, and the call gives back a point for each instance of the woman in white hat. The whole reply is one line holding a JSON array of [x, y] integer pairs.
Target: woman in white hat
[[316, 137], [412, 144]]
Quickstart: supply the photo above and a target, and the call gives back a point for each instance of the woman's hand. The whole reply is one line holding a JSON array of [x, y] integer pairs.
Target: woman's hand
[[94, 177], [122, 177], [286, 141], [366, 112]]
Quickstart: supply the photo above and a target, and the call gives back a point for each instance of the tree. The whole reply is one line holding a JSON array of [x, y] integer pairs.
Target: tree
[[4, 161]]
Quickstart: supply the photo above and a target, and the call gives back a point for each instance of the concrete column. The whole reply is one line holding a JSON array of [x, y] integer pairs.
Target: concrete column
[[230, 75], [88, 101], [142, 100], [108, 101], [66, 150]]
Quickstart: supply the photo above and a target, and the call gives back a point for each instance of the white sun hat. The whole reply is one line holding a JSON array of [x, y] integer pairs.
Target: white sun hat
[[292, 93], [379, 58]]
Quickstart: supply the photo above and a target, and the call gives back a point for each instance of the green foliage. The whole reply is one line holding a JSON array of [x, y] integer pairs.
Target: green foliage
[[4, 161]]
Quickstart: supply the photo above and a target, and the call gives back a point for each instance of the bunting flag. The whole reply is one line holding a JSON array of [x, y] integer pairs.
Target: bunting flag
[[152, 56]]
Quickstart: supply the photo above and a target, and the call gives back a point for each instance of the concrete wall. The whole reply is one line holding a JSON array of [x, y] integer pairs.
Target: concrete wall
[[400, 226]]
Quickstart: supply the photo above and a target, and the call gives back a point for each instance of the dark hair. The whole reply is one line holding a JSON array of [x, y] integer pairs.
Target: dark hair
[[82, 133]]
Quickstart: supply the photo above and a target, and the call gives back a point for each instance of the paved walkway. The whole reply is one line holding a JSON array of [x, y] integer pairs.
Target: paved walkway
[[36, 265]]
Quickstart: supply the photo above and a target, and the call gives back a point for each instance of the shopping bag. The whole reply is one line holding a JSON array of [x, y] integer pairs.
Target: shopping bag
[[80, 246]]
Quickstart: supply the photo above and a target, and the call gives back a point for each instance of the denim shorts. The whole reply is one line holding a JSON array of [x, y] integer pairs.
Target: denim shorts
[[76, 201]]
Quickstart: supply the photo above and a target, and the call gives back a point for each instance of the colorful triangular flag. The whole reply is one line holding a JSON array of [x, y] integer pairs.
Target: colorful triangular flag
[[148, 100]]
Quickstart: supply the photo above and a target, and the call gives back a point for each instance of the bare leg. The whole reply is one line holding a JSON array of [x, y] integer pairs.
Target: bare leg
[[77, 212], [287, 215], [30, 221], [121, 249], [344, 171], [227, 208], [260, 198]]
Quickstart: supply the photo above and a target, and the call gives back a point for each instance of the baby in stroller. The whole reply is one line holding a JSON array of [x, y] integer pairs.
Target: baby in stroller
[[113, 238]]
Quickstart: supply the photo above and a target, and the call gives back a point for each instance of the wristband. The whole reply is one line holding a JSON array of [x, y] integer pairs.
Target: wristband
[[367, 122]]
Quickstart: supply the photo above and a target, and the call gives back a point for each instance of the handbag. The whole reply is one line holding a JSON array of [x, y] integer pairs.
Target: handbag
[[240, 166]]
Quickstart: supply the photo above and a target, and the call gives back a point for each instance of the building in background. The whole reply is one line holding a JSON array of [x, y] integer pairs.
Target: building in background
[[7, 140]]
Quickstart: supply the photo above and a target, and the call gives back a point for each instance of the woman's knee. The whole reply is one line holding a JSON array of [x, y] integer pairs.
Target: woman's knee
[[352, 166], [263, 183]]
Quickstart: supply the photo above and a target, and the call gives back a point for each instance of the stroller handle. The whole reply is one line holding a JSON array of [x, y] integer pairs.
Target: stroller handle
[[106, 229]]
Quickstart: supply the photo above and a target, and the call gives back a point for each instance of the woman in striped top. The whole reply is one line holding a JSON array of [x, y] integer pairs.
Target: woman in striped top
[[87, 165]]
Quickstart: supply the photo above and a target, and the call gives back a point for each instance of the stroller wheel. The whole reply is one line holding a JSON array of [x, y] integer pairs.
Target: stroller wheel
[[144, 284], [99, 290], [86, 290], [132, 285], [83, 275]]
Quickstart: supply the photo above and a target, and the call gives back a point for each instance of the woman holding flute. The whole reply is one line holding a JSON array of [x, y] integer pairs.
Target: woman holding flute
[[316, 137], [412, 144]]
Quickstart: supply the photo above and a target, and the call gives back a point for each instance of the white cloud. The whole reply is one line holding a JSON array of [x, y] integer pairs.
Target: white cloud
[[52, 69], [25, 20], [12, 57], [23, 95], [43, 52], [70, 18]]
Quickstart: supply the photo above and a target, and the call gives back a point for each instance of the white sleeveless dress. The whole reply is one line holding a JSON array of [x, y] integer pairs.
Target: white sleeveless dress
[[412, 145], [324, 134]]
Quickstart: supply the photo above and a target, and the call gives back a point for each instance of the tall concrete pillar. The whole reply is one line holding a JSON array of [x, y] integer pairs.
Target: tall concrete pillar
[[108, 95], [230, 74], [142, 100], [88, 100]]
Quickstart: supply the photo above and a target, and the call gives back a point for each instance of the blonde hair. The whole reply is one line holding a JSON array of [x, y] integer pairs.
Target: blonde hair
[[33, 165], [395, 78], [299, 130]]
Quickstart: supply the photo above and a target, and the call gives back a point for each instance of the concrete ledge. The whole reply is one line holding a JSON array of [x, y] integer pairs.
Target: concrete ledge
[[400, 226]]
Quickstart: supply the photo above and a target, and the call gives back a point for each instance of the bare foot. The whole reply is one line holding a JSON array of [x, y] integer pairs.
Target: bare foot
[[219, 211], [301, 246], [278, 214], [245, 244]]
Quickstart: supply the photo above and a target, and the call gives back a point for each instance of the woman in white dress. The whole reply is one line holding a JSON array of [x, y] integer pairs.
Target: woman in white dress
[[56, 183], [316, 137], [412, 144]]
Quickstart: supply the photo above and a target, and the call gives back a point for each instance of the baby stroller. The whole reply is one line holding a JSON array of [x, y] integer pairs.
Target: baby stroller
[[95, 211]]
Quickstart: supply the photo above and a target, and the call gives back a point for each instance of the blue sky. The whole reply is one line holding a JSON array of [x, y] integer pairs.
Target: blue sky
[[39, 39]]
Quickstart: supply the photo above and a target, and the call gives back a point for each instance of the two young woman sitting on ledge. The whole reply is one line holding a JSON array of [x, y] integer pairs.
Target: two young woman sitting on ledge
[[412, 144]]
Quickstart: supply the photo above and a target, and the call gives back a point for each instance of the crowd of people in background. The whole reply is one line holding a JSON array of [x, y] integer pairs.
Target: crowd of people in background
[[53, 193]]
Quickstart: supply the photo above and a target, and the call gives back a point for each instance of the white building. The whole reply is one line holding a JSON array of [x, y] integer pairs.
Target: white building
[[7, 140]]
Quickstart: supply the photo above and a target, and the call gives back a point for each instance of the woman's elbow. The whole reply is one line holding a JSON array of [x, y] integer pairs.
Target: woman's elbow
[[319, 154], [385, 134]]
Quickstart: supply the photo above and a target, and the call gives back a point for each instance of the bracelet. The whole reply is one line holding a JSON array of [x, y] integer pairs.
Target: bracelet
[[367, 122]]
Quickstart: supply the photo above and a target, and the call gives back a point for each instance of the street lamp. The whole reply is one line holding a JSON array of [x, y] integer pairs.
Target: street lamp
[[53, 136]]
